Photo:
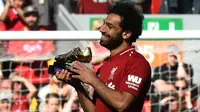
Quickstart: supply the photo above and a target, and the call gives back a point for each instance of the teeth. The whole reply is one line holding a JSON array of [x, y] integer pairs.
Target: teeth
[[104, 37]]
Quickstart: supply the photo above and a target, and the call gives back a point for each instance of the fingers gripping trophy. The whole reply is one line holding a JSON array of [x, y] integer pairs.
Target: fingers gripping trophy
[[63, 61]]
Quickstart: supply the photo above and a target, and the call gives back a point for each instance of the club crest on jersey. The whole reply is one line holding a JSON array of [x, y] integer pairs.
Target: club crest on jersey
[[111, 76]]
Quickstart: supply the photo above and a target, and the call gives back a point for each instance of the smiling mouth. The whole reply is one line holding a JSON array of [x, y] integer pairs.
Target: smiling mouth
[[104, 37]]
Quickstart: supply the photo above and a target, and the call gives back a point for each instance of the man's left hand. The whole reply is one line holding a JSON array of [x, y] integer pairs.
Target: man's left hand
[[86, 74]]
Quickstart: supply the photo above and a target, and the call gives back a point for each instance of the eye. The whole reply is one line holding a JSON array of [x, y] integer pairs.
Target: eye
[[110, 26]]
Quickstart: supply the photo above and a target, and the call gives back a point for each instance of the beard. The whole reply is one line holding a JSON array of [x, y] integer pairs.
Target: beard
[[112, 42]]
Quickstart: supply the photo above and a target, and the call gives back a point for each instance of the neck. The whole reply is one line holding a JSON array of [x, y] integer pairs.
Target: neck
[[119, 49]]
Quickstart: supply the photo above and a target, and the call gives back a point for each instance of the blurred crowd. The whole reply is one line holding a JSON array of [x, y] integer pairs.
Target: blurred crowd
[[26, 85], [23, 15]]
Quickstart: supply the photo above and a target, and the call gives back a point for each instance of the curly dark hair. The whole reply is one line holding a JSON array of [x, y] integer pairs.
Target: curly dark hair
[[131, 19]]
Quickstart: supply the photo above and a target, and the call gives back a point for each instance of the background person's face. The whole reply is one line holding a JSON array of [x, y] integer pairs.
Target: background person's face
[[53, 105], [172, 59], [97, 25], [5, 106], [111, 32], [31, 20], [181, 87], [173, 106], [5, 85], [17, 86]]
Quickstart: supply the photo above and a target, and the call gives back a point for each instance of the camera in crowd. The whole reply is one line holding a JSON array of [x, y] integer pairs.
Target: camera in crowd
[[63, 60]]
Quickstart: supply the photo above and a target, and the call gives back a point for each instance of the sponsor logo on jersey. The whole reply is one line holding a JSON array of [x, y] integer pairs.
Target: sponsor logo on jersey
[[133, 81], [111, 85]]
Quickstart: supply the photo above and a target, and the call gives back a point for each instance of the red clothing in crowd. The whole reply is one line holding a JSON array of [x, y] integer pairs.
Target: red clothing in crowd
[[2, 26], [20, 105], [36, 72], [93, 6], [13, 21], [155, 6], [20, 48], [127, 71]]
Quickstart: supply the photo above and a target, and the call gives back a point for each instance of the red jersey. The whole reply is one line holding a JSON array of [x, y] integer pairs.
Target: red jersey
[[127, 71], [93, 6], [2, 26], [13, 22], [20, 105]]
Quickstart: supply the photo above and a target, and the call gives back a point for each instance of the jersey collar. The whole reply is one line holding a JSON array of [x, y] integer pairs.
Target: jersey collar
[[124, 51]]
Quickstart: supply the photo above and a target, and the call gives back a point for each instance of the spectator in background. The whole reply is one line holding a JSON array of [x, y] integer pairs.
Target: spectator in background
[[93, 6], [31, 17], [196, 7], [165, 76], [179, 100], [1, 6], [20, 98], [2, 26], [55, 86], [5, 84], [5, 95], [167, 73], [72, 104], [5, 102], [52, 103], [48, 10], [143, 6], [34, 71], [176, 7], [155, 6], [13, 17]]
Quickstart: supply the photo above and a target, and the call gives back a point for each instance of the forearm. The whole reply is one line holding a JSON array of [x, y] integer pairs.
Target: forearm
[[85, 101], [32, 89], [181, 70], [20, 13], [189, 104], [112, 97], [68, 105], [4, 14]]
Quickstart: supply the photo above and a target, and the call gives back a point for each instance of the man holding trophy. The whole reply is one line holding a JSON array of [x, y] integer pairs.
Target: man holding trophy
[[123, 81]]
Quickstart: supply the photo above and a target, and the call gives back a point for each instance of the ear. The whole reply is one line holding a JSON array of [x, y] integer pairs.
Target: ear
[[126, 34]]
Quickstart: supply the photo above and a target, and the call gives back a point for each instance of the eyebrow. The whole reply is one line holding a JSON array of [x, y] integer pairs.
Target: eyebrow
[[108, 23]]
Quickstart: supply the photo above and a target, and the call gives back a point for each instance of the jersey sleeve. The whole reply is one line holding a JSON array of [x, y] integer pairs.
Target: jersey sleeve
[[136, 75]]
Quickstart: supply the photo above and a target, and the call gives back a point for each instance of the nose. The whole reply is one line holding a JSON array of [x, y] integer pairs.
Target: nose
[[103, 28]]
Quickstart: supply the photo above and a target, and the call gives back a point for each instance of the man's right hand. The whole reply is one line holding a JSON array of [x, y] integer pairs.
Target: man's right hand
[[65, 76]]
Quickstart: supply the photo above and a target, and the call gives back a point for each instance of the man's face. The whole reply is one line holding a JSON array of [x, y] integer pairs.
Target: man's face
[[111, 32], [53, 105], [18, 3], [172, 59], [31, 19]]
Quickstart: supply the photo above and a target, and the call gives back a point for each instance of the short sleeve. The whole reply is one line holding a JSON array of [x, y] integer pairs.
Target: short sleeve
[[136, 75]]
